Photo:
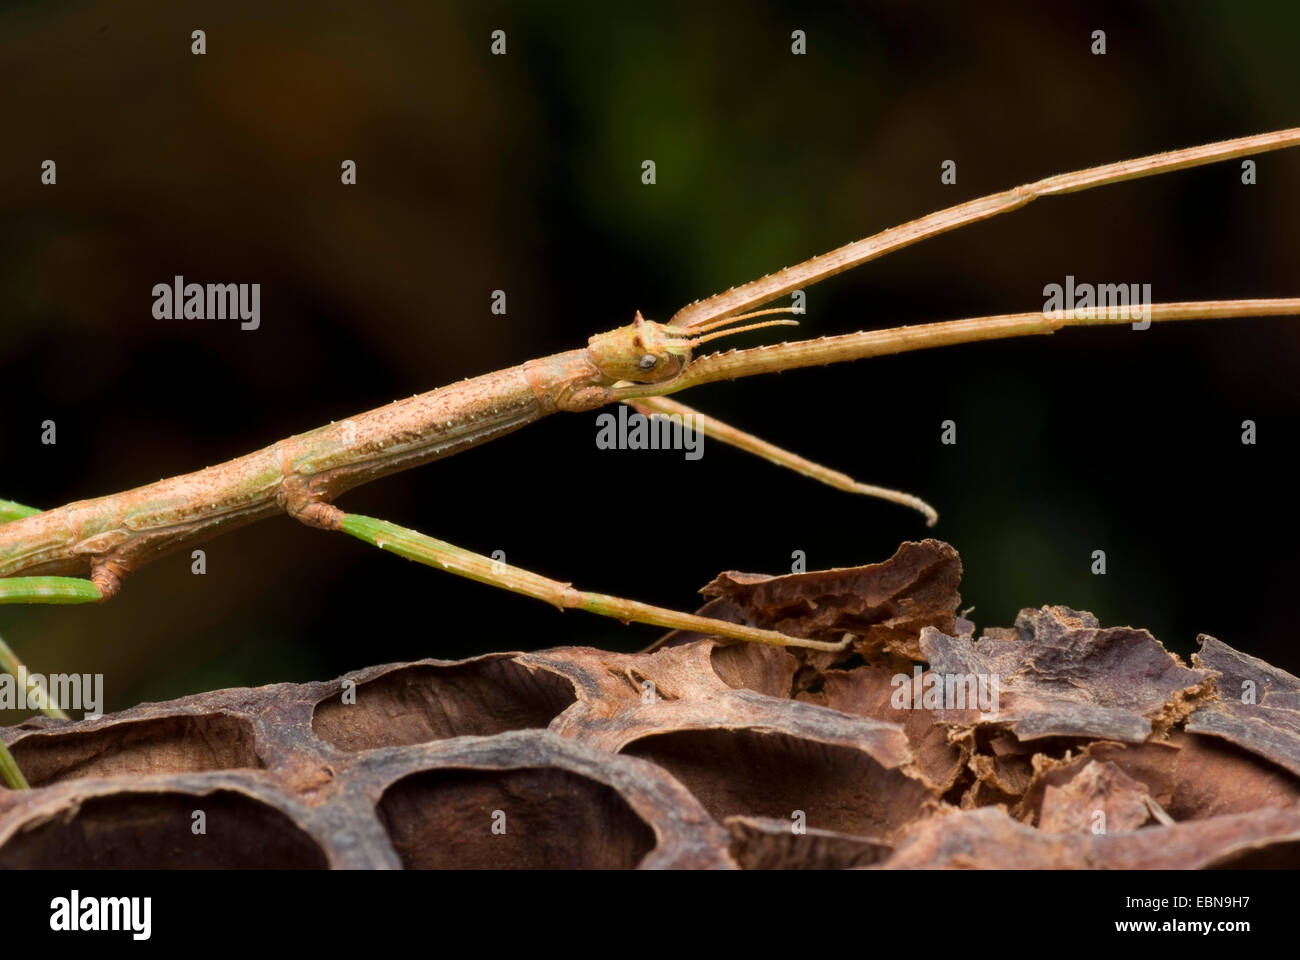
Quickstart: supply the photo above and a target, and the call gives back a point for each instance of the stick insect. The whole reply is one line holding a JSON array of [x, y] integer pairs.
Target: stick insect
[[107, 538]]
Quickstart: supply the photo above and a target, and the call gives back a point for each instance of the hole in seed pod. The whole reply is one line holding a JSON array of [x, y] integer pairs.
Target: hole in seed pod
[[746, 773], [425, 703], [156, 831], [177, 744], [1283, 855], [530, 818]]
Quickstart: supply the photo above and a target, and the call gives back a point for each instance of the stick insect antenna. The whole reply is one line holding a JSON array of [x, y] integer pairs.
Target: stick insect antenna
[[727, 321], [716, 326], [696, 341]]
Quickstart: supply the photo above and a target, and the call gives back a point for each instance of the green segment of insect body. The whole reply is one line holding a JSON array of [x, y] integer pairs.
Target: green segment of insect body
[[105, 539]]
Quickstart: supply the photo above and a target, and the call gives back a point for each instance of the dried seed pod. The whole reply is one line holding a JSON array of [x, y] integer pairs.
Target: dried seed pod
[[703, 755]]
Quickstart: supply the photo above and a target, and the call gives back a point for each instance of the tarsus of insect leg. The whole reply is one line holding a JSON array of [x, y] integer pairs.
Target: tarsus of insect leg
[[437, 553], [716, 429]]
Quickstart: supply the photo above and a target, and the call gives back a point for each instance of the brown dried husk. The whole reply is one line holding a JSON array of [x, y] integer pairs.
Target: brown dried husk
[[1104, 751]]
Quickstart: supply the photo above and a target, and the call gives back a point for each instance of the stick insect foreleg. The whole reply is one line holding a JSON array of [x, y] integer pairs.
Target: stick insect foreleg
[[758, 292]]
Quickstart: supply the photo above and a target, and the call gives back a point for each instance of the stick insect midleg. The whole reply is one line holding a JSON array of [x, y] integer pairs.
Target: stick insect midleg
[[105, 539]]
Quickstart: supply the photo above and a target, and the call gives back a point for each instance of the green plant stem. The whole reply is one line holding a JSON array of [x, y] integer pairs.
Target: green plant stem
[[13, 777], [10, 663]]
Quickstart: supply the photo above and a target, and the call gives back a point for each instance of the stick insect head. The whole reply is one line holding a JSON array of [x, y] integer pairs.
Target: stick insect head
[[643, 352], [648, 352]]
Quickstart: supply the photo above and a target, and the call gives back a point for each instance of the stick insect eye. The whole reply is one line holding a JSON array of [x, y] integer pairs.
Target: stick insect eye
[[648, 361]]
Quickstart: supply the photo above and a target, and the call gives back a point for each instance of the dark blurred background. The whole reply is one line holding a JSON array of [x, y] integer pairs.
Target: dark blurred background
[[523, 172]]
